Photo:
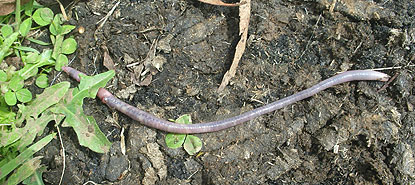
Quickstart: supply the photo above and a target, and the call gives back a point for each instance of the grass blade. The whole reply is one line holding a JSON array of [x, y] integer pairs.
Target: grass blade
[[24, 156]]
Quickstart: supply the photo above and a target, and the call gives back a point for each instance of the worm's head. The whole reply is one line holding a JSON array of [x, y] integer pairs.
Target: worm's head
[[384, 77]]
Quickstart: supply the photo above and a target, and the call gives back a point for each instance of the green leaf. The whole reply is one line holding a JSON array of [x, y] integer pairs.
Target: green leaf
[[31, 58], [30, 70], [42, 81], [6, 116], [16, 83], [6, 30], [52, 39], [25, 26], [69, 46], [4, 88], [28, 49], [192, 145], [43, 16], [35, 127], [57, 48], [36, 178], [184, 119], [86, 128], [49, 97], [175, 140], [3, 76], [25, 170], [9, 137], [47, 70], [38, 41], [56, 26], [67, 28], [6, 45], [10, 98], [61, 61], [24, 95], [24, 156], [28, 8], [93, 83]]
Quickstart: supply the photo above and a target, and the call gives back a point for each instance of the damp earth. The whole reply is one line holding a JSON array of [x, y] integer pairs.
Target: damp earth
[[170, 57]]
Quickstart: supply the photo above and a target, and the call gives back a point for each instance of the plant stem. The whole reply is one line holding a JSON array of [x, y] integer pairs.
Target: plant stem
[[17, 12]]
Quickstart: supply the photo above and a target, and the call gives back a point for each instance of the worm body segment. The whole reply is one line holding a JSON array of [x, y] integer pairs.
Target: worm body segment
[[154, 122]]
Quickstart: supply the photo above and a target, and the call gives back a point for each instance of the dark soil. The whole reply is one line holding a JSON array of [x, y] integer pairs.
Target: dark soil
[[353, 133]]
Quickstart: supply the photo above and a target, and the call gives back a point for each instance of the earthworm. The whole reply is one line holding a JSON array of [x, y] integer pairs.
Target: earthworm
[[154, 122]]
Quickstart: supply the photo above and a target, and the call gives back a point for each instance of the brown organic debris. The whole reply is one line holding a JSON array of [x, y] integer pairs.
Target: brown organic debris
[[219, 3], [244, 14], [108, 62], [8, 6]]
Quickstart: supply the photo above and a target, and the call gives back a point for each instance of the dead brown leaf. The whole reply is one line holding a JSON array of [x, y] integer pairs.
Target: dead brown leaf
[[219, 3], [244, 15], [108, 62], [8, 6], [147, 80]]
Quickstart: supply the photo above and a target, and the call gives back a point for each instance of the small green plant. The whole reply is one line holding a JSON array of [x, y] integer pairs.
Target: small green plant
[[59, 103], [190, 143], [12, 81]]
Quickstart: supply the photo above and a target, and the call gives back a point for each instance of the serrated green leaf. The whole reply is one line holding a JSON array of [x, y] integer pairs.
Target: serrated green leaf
[[3, 76], [38, 41], [16, 83], [175, 140], [9, 137], [10, 98], [25, 170], [25, 26], [61, 61], [93, 83], [24, 95], [7, 44], [35, 127], [49, 97], [86, 128], [88, 132], [43, 16], [6, 30], [192, 144], [42, 81], [24, 156]]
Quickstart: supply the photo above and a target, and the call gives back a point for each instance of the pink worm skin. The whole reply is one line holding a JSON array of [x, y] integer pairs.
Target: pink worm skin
[[154, 122]]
